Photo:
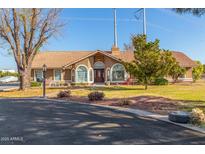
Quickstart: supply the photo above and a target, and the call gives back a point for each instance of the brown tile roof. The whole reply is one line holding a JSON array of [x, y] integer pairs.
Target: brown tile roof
[[57, 59], [65, 58], [183, 59]]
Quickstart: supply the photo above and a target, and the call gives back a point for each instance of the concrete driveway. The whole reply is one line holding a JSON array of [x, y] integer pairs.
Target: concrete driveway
[[28, 121]]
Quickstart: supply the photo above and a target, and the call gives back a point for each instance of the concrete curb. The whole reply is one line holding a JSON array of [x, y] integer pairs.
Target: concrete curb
[[134, 111]]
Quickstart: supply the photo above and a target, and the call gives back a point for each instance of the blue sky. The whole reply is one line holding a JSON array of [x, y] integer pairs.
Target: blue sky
[[91, 29]]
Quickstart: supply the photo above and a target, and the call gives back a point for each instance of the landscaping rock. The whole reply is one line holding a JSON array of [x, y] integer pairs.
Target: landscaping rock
[[179, 117]]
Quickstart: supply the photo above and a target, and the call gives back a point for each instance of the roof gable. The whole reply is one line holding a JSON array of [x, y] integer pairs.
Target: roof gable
[[91, 54]]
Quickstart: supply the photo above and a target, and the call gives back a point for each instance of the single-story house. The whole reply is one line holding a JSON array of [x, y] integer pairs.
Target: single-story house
[[92, 66]]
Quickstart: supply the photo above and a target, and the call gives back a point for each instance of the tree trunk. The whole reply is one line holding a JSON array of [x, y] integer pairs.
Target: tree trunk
[[146, 83], [146, 86], [25, 79]]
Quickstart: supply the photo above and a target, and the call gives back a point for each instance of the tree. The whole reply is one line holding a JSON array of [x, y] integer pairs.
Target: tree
[[176, 71], [25, 31], [194, 11], [203, 68], [3, 74], [197, 71], [150, 62]]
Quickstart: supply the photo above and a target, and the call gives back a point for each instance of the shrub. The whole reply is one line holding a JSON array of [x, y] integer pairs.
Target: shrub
[[197, 116], [161, 81], [107, 83], [35, 84], [96, 96], [64, 93], [124, 101], [80, 84]]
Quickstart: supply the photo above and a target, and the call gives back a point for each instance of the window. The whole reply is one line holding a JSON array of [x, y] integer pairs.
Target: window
[[39, 75], [118, 72], [57, 75], [82, 74], [99, 65], [91, 75]]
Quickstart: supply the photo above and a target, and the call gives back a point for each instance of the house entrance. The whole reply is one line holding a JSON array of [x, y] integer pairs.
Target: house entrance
[[99, 72]]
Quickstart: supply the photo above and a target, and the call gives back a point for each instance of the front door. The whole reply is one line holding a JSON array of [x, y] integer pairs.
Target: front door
[[99, 75]]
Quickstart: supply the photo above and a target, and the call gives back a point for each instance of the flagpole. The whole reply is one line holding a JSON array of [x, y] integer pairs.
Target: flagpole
[[144, 22], [115, 28]]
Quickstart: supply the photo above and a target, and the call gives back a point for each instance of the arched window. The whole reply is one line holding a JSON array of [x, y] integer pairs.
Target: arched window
[[99, 65], [82, 75], [118, 72]]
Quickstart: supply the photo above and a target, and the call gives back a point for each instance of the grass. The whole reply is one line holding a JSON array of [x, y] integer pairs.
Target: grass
[[184, 91], [33, 92], [192, 94], [188, 91]]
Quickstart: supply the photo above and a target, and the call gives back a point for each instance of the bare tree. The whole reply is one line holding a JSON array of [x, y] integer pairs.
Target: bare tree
[[24, 32]]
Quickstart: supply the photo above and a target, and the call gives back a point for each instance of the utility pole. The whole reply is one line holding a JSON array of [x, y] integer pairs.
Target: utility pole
[[115, 28], [139, 11]]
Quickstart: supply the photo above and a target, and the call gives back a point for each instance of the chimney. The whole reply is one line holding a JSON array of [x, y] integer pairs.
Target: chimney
[[115, 50]]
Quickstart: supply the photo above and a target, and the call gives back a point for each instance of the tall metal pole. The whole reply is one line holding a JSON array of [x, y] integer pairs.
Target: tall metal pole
[[115, 28], [144, 22]]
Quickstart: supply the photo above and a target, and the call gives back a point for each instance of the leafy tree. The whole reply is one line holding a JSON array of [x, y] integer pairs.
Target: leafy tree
[[203, 68], [3, 74], [150, 62], [24, 32], [194, 11], [176, 71], [197, 71]]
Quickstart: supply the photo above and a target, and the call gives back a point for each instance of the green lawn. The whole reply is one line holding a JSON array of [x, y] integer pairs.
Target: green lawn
[[188, 91], [183, 91]]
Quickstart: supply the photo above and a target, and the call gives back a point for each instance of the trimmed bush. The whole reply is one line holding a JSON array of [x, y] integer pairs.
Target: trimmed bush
[[64, 93], [96, 96], [124, 101], [35, 84], [107, 83], [161, 81], [197, 116]]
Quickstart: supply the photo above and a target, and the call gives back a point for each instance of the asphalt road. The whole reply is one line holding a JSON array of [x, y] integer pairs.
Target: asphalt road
[[27, 121]]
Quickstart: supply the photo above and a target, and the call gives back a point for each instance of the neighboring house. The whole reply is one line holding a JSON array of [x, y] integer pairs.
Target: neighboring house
[[92, 66]]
